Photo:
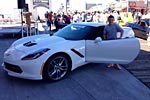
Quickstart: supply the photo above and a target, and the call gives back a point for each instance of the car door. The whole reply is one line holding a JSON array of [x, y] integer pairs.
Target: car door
[[121, 51]]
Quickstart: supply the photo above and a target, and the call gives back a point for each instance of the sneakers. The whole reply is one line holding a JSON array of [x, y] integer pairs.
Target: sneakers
[[110, 65], [117, 66]]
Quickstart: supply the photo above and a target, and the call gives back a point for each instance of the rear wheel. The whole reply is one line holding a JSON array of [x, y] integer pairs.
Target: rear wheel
[[56, 67]]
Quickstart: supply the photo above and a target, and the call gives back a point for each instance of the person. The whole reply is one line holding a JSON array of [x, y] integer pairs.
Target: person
[[89, 17], [66, 19], [50, 16], [110, 33], [46, 17], [76, 17], [59, 23]]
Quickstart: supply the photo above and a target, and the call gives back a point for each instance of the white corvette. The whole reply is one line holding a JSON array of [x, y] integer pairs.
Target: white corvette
[[52, 57]]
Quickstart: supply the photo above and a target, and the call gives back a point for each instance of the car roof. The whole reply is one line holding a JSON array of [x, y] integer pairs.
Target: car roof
[[93, 24]]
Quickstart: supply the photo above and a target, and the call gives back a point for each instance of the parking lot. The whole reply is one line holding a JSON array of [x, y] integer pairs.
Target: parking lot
[[89, 82]]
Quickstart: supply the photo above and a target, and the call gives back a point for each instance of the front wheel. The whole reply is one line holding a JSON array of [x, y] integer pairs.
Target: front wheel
[[56, 67]]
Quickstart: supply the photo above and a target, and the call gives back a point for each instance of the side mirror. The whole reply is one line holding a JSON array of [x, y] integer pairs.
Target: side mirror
[[98, 39]]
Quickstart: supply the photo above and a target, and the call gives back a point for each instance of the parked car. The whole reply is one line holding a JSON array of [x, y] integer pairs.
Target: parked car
[[140, 28], [53, 57]]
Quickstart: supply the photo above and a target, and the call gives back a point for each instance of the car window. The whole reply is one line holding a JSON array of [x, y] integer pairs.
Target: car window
[[74, 32], [97, 32]]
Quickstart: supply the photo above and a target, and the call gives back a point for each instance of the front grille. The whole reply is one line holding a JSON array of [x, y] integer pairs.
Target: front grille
[[13, 68]]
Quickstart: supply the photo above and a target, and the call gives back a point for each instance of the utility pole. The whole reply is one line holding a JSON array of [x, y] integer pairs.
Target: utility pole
[[147, 7], [67, 5], [127, 5], [22, 23]]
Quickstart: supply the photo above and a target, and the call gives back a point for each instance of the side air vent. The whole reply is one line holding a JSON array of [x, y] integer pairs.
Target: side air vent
[[77, 52]]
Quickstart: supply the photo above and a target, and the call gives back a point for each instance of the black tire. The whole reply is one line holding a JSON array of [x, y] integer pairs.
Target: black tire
[[57, 67]]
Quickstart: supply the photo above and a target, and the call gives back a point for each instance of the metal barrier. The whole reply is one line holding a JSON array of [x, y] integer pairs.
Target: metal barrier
[[33, 30], [36, 28], [23, 27]]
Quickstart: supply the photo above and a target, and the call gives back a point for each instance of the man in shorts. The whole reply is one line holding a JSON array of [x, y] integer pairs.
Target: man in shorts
[[110, 33]]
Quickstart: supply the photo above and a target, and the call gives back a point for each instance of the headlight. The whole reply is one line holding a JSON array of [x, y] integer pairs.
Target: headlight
[[35, 54]]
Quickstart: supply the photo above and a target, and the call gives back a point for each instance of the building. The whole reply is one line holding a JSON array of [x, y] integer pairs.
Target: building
[[134, 4]]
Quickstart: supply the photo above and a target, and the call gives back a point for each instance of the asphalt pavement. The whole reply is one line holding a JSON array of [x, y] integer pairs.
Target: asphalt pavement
[[88, 82]]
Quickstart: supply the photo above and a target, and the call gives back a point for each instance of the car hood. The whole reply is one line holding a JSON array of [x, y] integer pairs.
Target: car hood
[[33, 43]]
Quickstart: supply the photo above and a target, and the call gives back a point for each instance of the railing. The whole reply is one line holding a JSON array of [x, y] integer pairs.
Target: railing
[[32, 30]]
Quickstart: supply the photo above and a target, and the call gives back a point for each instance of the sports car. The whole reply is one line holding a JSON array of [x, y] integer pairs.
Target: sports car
[[140, 28], [53, 57]]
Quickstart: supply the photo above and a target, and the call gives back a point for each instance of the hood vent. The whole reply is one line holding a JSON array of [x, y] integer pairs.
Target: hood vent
[[29, 44]]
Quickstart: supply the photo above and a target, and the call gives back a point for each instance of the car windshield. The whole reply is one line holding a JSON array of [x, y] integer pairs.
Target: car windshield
[[74, 32]]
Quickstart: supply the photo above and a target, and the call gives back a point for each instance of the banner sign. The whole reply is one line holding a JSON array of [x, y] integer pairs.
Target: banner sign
[[37, 2]]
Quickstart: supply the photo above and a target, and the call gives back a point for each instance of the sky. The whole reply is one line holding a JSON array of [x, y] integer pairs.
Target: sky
[[6, 6]]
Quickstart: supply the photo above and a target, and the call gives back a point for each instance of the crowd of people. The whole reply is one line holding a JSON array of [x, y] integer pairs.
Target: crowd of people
[[62, 19], [59, 20]]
